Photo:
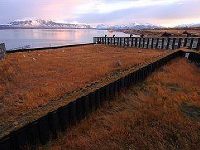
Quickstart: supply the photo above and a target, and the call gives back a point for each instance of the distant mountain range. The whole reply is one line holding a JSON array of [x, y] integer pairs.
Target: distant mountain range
[[188, 26], [44, 24], [135, 26]]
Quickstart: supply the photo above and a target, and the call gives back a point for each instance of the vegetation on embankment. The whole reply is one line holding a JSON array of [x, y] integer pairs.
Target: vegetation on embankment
[[159, 113], [172, 32], [29, 80]]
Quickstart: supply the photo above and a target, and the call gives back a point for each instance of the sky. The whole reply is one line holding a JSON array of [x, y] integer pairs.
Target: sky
[[159, 12]]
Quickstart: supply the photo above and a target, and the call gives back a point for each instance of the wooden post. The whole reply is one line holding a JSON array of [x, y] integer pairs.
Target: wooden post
[[127, 42], [2, 50], [198, 44], [117, 43], [123, 41], [131, 41], [157, 43], [143, 43], [111, 41], [185, 42], [116, 40], [152, 42], [168, 43], [136, 40], [105, 39], [191, 43], [139, 42], [163, 42], [173, 43], [98, 40], [179, 42], [120, 41], [147, 43]]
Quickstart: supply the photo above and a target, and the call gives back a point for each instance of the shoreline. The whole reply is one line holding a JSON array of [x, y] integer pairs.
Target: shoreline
[[174, 32]]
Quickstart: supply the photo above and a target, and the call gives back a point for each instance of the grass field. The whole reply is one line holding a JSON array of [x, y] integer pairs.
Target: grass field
[[29, 80], [159, 113], [159, 32]]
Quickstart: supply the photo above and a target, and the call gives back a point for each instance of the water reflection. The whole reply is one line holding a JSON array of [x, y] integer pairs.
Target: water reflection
[[34, 38]]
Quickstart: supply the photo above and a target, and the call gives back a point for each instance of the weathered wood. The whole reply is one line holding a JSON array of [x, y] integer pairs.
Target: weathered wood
[[123, 41], [136, 40], [152, 42], [143, 42], [185, 42], [198, 44], [2, 50], [132, 42], [147, 43], [127, 42], [173, 43], [179, 42], [191, 43], [157, 42], [168, 43], [140, 42], [162, 44], [117, 41]]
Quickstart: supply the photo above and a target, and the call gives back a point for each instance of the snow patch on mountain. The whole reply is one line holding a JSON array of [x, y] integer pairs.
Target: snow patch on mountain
[[189, 25], [39, 23], [136, 26]]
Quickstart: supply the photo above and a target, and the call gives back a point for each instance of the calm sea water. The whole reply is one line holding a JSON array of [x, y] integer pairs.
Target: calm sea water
[[34, 38]]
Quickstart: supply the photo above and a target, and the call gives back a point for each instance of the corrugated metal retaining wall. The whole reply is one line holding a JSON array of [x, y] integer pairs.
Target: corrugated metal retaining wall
[[47, 127]]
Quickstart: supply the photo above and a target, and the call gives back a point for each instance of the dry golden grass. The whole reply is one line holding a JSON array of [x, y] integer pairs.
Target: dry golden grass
[[146, 116], [159, 32], [31, 79]]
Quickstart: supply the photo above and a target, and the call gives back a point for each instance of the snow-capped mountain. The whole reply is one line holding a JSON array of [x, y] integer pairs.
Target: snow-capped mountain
[[44, 24], [188, 26], [102, 27], [135, 26]]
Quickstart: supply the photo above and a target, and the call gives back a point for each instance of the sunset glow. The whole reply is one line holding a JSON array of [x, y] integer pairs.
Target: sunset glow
[[162, 12]]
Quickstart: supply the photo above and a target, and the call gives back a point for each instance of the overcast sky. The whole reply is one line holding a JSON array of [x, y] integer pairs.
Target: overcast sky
[[162, 12]]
